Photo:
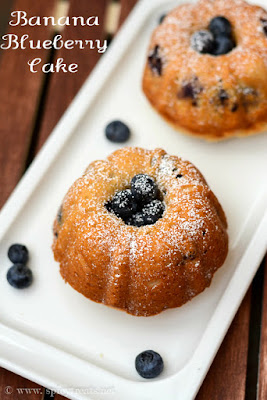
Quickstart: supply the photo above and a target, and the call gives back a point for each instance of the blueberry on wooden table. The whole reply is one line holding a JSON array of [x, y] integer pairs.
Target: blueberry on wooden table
[[149, 364], [117, 132], [19, 276], [18, 254]]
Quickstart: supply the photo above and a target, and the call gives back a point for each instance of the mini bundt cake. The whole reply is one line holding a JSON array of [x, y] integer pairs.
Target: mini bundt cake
[[206, 71], [141, 231]]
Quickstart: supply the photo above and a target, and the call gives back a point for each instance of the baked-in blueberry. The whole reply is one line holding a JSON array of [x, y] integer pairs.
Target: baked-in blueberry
[[264, 25], [59, 215], [149, 364], [223, 96], [18, 254], [223, 45], [235, 107], [144, 188], [202, 41], [250, 97], [187, 91], [162, 17], [154, 61], [153, 211], [19, 276], [123, 204], [220, 26], [117, 132], [190, 90]]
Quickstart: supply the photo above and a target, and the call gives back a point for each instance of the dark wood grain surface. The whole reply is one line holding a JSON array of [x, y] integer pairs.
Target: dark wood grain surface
[[226, 379], [33, 105], [63, 88], [20, 93], [12, 387], [262, 388]]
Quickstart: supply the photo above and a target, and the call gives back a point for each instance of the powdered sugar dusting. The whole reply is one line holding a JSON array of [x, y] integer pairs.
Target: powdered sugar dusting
[[126, 263]]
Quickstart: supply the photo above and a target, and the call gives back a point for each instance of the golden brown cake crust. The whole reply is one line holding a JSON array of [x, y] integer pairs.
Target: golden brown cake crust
[[212, 97], [148, 269]]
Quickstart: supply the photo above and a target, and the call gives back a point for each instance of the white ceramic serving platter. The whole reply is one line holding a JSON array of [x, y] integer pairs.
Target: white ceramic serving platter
[[52, 334]]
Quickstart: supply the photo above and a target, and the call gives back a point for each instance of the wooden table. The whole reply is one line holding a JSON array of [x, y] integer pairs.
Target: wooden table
[[31, 105]]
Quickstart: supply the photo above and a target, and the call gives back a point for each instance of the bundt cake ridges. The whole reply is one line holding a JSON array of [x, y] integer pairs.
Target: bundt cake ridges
[[148, 269]]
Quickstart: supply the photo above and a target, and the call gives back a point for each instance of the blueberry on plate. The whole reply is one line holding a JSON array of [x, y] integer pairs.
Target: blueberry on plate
[[18, 254], [149, 364], [144, 188], [123, 204], [223, 45], [117, 132], [220, 26], [153, 211], [202, 41], [19, 276]]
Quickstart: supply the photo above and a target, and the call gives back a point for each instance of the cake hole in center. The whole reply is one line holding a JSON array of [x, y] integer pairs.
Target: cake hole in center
[[139, 205], [217, 39]]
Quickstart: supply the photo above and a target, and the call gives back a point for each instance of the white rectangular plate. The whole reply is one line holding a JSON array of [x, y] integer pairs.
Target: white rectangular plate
[[52, 334]]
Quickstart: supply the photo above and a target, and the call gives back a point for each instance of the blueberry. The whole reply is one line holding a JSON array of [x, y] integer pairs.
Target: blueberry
[[154, 61], [59, 215], [220, 26], [149, 364], [18, 254], [117, 132], [223, 45], [162, 17], [137, 219], [19, 276], [123, 204], [191, 90], [149, 214], [223, 96], [202, 42], [264, 25], [144, 188], [235, 107], [153, 211], [187, 91]]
